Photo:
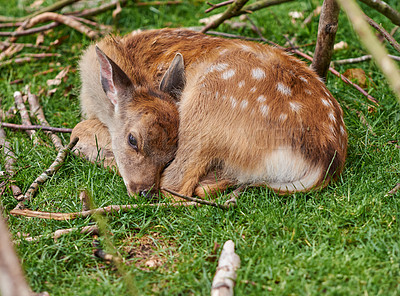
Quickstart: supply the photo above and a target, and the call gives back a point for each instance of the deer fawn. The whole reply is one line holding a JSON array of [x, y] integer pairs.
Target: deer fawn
[[225, 112]]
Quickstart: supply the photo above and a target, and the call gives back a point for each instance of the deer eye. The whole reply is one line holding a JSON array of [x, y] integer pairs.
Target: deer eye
[[133, 142]]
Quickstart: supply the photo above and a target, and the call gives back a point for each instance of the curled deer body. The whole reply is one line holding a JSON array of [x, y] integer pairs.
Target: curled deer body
[[225, 112]]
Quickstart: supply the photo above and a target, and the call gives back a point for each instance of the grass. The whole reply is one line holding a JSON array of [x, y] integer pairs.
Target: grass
[[343, 240]]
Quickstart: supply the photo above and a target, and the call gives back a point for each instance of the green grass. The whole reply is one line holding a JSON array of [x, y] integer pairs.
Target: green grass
[[343, 240]]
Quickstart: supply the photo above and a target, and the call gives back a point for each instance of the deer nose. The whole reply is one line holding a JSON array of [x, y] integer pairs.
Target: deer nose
[[149, 194]]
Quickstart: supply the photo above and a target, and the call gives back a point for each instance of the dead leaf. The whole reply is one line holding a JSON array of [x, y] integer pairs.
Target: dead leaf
[[340, 45], [296, 15], [357, 75], [51, 92], [58, 79], [39, 39]]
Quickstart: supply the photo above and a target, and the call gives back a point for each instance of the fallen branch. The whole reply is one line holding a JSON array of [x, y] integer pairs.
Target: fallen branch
[[197, 200], [394, 190], [47, 173], [98, 10], [84, 214], [19, 102], [37, 111], [22, 32], [152, 3], [361, 59], [384, 9], [225, 276], [384, 33], [36, 127]]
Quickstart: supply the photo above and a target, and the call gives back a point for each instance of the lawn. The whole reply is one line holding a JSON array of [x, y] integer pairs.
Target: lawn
[[343, 240]]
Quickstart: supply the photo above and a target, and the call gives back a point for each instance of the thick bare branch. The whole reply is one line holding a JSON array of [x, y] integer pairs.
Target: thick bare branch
[[23, 112], [328, 24], [385, 9]]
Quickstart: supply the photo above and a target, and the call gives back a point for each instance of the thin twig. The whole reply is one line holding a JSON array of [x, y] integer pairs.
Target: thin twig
[[93, 229], [215, 6], [29, 31], [37, 111], [198, 200], [385, 33], [28, 58], [152, 3], [99, 211], [361, 59], [37, 127]]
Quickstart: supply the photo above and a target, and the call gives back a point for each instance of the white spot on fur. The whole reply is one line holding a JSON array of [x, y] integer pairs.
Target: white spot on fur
[[303, 79], [332, 117], [245, 47], [283, 117], [253, 89], [216, 67], [332, 129], [283, 89], [228, 74], [264, 110], [241, 84], [233, 102], [325, 102], [223, 51], [244, 104], [307, 91], [258, 73], [342, 130], [327, 94], [216, 94], [295, 106], [261, 99]]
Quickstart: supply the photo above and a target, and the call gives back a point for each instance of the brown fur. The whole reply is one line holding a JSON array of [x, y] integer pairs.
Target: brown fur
[[253, 113]]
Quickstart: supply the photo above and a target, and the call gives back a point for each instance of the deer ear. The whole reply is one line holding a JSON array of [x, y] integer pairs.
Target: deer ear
[[116, 84], [173, 81]]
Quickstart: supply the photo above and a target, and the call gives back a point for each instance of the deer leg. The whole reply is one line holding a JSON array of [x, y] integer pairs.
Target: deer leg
[[94, 142], [211, 184]]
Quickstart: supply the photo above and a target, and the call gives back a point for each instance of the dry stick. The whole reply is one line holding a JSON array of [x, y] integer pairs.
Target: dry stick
[[23, 112], [36, 127], [361, 59], [385, 9], [367, 37], [98, 10], [232, 11], [30, 31], [327, 27], [215, 6], [58, 233], [198, 200], [151, 3], [225, 276], [32, 57], [385, 33], [37, 111], [99, 211], [7, 44], [48, 173], [53, 7], [12, 281]]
